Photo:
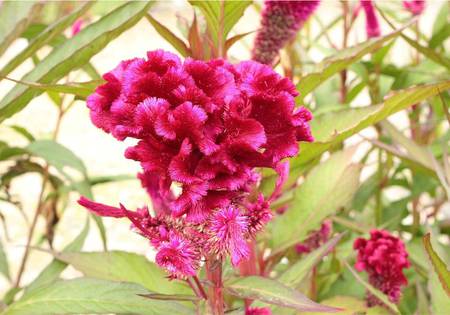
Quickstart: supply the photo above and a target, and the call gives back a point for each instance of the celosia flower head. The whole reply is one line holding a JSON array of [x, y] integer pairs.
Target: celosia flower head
[[372, 25], [281, 20], [205, 127], [258, 311], [383, 257], [416, 7]]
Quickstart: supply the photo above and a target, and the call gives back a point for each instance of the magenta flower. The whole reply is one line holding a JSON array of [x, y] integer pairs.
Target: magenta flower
[[206, 127], [372, 25], [76, 27], [258, 311], [383, 257], [416, 7], [315, 239], [281, 20]]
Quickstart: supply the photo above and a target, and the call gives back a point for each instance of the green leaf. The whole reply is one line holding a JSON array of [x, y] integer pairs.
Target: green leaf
[[349, 304], [80, 89], [123, 266], [56, 155], [438, 264], [328, 187], [170, 37], [73, 53], [44, 37], [4, 267], [92, 296], [380, 295], [14, 19], [428, 52], [342, 60], [273, 292], [56, 267], [298, 271], [333, 128], [23, 132], [232, 12]]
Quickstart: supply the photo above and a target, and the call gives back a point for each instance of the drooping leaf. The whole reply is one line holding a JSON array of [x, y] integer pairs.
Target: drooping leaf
[[45, 37], [328, 187], [53, 270], [170, 37], [123, 266], [332, 128], [341, 61], [298, 271], [14, 19], [4, 266], [56, 155], [23, 132], [380, 295], [72, 54], [438, 264], [92, 296], [273, 292]]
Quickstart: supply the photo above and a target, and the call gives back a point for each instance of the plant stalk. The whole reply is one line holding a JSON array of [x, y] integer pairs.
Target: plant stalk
[[215, 291]]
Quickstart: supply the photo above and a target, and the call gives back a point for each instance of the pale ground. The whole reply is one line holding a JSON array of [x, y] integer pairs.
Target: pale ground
[[102, 154]]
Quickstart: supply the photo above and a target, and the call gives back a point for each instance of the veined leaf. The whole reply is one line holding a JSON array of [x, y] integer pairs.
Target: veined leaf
[[123, 266], [92, 296], [438, 264], [14, 19], [298, 271], [334, 127], [328, 187], [170, 37], [72, 54], [45, 37], [380, 295], [341, 61], [273, 292], [232, 12], [54, 269]]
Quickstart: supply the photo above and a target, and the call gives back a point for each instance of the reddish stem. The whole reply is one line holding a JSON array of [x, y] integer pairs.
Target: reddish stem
[[214, 276]]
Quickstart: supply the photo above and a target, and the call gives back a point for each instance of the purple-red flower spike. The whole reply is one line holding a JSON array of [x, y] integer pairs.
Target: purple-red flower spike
[[372, 25], [383, 257], [205, 126], [76, 27], [315, 239], [258, 311], [416, 7], [281, 20]]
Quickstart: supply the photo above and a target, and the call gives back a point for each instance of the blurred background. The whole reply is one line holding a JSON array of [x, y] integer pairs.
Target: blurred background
[[102, 154]]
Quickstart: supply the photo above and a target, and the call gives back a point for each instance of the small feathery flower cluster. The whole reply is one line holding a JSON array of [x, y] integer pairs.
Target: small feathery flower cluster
[[383, 257], [205, 127], [372, 25], [416, 7], [281, 20], [315, 239]]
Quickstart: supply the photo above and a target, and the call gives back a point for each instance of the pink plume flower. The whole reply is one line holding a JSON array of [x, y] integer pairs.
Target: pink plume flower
[[315, 239], [281, 20], [372, 25], [258, 311], [383, 257], [416, 7], [76, 27], [206, 127]]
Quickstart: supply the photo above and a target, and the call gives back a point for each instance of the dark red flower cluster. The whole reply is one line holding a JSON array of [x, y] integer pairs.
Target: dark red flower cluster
[[383, 257], [204, 127], [281, 20], [315, 239], [416, 7]]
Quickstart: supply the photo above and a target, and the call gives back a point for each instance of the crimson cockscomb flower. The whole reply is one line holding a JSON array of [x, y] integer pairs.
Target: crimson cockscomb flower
[[258, 311], [372, 25], [281, 20], [416, 7], [315, 239], [383, 257], [205, 127]]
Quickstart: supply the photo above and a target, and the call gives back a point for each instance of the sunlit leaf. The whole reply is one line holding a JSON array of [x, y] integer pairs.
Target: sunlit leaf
[[438, 264]]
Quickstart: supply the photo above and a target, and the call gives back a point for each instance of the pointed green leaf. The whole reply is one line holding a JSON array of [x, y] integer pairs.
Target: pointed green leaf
[[92, 296], [4, 266], [45, 37], [273, 292], [438, 264], [123, 266], [73, 54], [328, 187]]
